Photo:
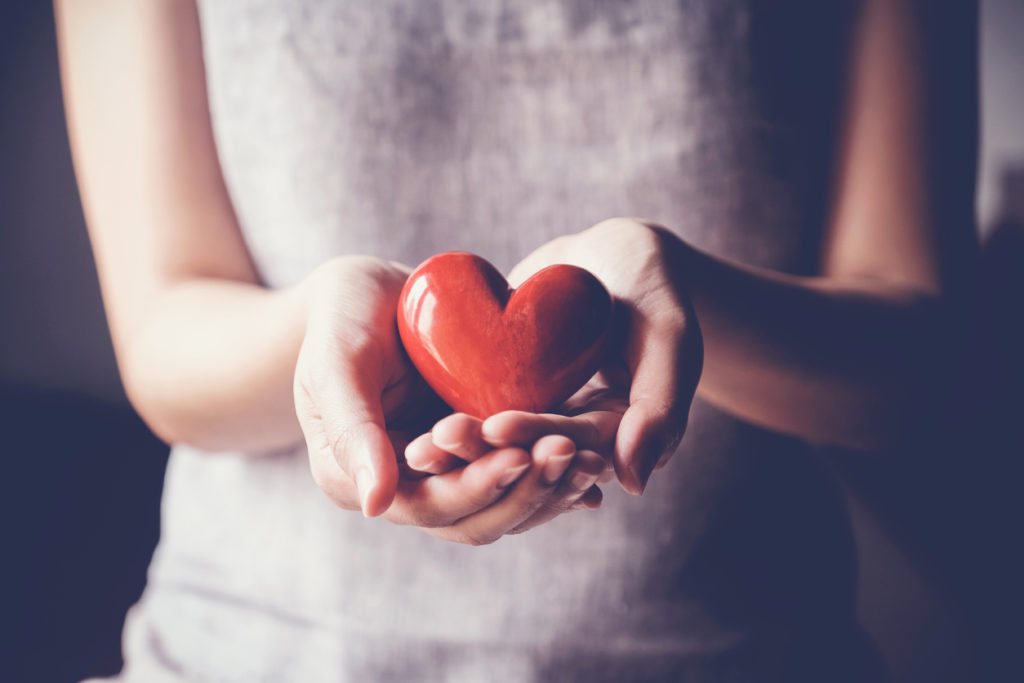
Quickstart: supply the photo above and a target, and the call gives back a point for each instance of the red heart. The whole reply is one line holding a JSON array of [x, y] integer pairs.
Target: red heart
[[484, 347]]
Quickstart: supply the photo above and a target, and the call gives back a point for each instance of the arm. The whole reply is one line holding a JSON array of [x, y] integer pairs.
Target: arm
[[209, 356], [206, 354], [854, 356]]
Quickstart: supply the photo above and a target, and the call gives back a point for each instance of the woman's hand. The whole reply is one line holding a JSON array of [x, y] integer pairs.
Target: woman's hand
[[563, 476], [351, 376], [359, 400], [634, 411]]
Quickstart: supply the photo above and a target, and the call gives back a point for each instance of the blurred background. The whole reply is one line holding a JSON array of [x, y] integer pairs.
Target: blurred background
[[82, 475]]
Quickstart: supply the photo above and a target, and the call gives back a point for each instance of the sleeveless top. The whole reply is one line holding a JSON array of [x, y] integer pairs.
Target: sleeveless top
[[401, 128]]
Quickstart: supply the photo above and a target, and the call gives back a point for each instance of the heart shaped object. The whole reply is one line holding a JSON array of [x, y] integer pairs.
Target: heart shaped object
[[484, 347]]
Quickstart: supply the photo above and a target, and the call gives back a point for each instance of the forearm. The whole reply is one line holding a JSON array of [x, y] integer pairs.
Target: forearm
[[852, 362], [212, 364], [206, 355]]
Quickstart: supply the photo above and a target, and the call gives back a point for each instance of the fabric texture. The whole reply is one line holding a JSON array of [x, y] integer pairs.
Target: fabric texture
[[401, 129]]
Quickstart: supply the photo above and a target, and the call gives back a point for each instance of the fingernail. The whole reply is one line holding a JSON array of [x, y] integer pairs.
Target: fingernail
[[494, 439], [554, 468], [425, 466], [629, 480], [511, 474], [488, 435], [644, 460], [581, 481], [641, 470], [364, 483], [643, 476]]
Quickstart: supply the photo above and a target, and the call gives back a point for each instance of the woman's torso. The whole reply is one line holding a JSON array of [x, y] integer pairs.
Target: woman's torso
[[400, 129]]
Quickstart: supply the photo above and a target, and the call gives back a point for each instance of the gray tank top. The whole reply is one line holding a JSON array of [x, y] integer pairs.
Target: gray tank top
[[402, 128]]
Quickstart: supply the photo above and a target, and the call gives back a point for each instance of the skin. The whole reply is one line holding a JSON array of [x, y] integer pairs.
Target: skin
[[212, 358], [359, 400]]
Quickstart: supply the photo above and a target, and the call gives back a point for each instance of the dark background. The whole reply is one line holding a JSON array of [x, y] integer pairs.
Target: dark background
[[82, 475]]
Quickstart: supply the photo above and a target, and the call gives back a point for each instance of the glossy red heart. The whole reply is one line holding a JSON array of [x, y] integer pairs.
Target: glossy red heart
[[484, 347]]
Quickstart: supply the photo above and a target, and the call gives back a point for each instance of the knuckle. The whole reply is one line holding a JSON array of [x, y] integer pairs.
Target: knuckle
[[422, 513], [414, 517], [561, 242], [594, 437], [618, 224], [668, 317], [579, 506], [636, 231], [479, 498], [553, 506], [360, 344], [477, 539], [578, 486], [428, 519], [441, 534], [453, 535], [342, 439], [656, 410], [355, 262]]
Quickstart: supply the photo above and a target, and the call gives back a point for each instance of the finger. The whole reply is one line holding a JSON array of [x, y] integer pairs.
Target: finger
[[556, 453], [666, 359], [586, 468], [593, 430], [459, 434], [551, 458], [605, 391], [400, 442], [423, 456], [442, 500], [406, 472], [591, 500], [350, 408]]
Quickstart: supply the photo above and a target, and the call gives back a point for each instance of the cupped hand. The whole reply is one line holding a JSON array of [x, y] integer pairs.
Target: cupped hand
[[563, 476], [353, 382], [359, 403], [586, 426], [635, 411]]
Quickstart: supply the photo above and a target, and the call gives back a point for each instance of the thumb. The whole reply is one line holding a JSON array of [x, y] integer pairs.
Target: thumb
[[666, 360], [354, 424]]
